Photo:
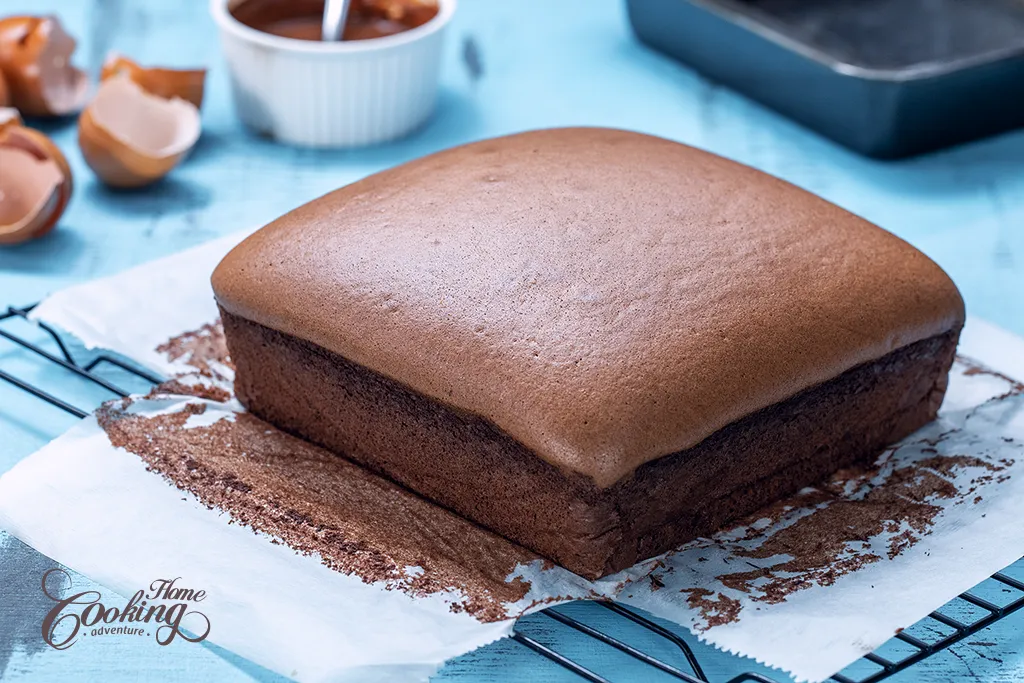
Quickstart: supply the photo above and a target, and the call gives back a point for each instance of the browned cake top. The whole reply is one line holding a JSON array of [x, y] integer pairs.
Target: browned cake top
[[604, 297]]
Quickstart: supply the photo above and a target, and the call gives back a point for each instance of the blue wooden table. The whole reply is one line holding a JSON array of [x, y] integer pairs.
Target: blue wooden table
[[509, 66]]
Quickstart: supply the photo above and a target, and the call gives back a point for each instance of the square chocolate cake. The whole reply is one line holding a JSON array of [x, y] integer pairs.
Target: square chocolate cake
[[596, 343]]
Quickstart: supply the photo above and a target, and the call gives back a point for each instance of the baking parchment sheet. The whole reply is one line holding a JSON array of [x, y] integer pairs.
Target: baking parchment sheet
[[788, 587]]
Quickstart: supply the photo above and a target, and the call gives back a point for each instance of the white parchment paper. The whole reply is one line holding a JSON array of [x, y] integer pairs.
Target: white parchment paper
[[97, 509]]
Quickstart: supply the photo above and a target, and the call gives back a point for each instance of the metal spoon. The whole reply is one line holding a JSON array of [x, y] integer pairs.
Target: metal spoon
[[335, 14]]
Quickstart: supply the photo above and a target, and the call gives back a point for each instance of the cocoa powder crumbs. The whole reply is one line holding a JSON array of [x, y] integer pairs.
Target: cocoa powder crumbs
[[318, 503], [200, 349], [820, 544], [806, 499], [900, 542], [721, 610], [973, 369], [178, 388]]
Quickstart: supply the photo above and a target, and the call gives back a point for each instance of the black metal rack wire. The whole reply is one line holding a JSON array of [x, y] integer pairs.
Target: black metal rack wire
[[951, 629]]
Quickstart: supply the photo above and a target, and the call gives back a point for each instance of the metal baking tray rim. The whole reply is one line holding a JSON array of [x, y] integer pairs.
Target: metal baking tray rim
[[770, 29]]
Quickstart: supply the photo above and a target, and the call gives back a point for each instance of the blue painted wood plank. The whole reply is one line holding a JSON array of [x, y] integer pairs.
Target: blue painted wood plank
[[508, 66]]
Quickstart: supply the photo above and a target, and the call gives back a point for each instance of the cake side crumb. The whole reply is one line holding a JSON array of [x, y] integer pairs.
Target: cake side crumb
[[319, 504], [859, 517], [203, 349]]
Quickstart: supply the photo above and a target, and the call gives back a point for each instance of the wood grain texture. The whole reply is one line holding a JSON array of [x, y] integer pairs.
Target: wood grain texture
[[509, 66]]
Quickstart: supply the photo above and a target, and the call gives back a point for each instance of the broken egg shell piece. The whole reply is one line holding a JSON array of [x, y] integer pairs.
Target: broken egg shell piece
[[5, 92], [35, 184], [40, 145], [131, 138], [35, 58], [187, 84]]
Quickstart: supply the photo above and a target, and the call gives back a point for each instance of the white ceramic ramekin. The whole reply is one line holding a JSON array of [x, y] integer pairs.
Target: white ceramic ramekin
[[344, 94]]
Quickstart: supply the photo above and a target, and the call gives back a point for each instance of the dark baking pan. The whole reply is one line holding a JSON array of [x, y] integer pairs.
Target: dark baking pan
[[888, 78]]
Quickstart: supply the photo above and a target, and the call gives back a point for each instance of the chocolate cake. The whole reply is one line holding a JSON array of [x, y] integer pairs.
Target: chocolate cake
[[596, 343]]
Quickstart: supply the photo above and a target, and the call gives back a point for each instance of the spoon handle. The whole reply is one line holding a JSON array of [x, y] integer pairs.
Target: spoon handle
[[335, 14]]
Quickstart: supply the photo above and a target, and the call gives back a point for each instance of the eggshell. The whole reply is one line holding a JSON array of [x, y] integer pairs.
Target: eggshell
[[131, 138], [35, 181], [35, 59], [186, 84]]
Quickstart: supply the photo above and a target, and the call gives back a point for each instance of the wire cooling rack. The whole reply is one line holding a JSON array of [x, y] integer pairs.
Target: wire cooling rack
[[964, 616]]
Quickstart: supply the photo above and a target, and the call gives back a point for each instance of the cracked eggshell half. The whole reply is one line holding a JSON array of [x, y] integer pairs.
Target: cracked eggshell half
[[35, 181], [131, 138], [187, 84], [35, 59]]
